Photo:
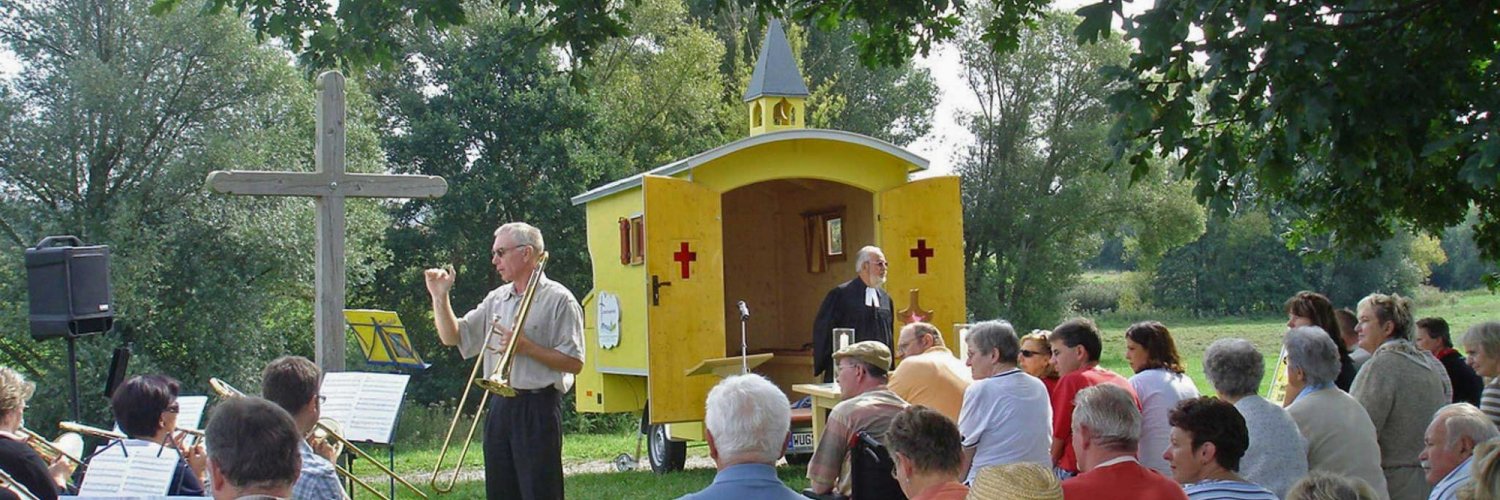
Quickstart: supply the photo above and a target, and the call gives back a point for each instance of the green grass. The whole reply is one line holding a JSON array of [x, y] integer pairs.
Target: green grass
[[1462, 310], [419, 444]]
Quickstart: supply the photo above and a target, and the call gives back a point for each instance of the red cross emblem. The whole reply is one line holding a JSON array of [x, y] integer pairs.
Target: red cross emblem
[[921, 253], [685, 257]]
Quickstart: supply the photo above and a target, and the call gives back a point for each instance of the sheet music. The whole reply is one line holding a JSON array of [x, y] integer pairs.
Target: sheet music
[[365, 403], [190, 412], [112, 473]]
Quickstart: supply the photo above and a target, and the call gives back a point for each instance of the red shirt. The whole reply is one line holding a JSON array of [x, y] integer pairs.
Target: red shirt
[[1123, 481], [1062, 406]]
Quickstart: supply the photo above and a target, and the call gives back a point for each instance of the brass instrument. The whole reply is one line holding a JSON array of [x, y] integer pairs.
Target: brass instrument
[[498, 382], [8, 483], [90, 431], [329, 429], [50, 451]]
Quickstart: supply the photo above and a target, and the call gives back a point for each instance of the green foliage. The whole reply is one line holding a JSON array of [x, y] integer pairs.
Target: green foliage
[[1464, 268], [1372, 118], [125, 115], [659, 91], [1035, 206], [361, 34], [485, 107]]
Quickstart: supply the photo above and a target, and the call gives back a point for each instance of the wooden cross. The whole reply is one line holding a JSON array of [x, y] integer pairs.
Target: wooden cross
[[921, 253], [685, 257], [328, 185]]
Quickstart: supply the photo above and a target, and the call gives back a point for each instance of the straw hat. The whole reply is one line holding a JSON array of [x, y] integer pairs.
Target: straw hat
[[1017, 481]]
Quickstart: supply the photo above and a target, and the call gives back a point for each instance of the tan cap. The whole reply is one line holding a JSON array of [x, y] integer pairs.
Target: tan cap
[[1016, 481], [869, 351]]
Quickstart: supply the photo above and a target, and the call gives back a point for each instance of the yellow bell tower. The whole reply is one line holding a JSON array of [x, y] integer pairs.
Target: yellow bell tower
[[776, 98]]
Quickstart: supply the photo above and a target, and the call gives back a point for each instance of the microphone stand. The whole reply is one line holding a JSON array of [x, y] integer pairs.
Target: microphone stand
[[744, 348]]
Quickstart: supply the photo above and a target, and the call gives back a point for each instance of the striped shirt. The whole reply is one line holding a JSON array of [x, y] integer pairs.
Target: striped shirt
[[869, 412], [1447, 488], [1214, 489], [1489, 402]]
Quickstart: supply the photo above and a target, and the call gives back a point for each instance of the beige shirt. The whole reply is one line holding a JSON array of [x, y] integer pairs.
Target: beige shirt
[[934, 379], [555, 321]]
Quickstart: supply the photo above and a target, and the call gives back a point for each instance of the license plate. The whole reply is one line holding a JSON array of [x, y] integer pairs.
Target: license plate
[[802, 442]]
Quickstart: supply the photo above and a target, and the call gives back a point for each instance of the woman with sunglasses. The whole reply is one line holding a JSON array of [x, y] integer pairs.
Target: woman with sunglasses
[[145, 407], [1036, 358], [1160, 383]]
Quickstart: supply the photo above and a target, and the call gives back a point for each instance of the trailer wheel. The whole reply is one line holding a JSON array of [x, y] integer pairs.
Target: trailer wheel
[[666, 455]]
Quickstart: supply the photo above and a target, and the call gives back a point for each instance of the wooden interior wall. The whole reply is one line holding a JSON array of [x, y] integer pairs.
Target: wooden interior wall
[[764, 261]]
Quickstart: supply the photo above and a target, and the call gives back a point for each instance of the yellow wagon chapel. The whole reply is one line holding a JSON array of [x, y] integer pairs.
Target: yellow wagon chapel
[[773, 220]]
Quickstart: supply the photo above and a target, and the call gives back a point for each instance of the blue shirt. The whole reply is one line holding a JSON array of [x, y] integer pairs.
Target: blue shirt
[[1213, 489], [318, 480], [1447, 488], [746, 481]]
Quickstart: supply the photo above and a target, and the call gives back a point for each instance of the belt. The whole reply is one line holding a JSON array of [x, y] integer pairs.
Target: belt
[[544, 390]]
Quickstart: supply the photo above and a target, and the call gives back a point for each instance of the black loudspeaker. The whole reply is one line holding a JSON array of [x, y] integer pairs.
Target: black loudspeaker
[[68, 287]]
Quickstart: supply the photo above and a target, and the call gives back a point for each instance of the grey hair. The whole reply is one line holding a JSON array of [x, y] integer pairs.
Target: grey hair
[[1463, 420], [1110, 415], [1311, 350], [1234, 367], [864, 255], [748, 416], [988, 336], [1486, 335], [1320, 485], [523, 234]]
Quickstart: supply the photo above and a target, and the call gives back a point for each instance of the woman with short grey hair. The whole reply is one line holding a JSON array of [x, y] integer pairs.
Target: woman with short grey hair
[[1277, 456], [1400, 387], [1340, 437], [1483, 343]]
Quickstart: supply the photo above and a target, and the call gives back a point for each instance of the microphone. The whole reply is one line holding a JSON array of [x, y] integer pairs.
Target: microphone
[[744, 311]]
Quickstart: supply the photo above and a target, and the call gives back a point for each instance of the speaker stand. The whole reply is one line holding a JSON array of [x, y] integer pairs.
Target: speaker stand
[[73, 375]]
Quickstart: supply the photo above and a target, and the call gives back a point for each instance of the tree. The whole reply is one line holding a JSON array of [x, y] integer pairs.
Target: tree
[[110, 128], [1372, 117], [1035, 206], [485, 107], [364, 33]]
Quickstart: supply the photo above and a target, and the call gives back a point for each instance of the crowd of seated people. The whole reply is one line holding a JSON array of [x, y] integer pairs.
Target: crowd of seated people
[[1363, 415], [989, 425]]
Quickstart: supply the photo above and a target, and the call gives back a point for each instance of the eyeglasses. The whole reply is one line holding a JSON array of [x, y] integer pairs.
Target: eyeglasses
[[500, 252], [1027, 353], [322, 399], [174, 408]]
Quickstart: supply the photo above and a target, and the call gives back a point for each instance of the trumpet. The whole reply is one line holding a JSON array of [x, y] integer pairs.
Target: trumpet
[[497, 382], [51, 451], [330, 430]]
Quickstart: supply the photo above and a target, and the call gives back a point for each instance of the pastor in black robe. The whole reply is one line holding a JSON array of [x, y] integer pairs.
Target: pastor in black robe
[[844, 307]]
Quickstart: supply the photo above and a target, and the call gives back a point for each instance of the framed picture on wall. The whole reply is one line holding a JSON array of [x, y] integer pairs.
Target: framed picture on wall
[[824, 232]]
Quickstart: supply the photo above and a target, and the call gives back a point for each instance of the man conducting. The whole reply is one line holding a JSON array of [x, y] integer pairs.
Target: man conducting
[[859, 304], [523, 434]]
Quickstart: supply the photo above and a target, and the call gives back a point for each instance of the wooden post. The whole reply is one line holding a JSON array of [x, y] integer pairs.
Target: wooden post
[[328, 185]]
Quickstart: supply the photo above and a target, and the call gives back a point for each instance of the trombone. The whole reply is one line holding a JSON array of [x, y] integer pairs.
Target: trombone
[[329, 429], [498, 382]]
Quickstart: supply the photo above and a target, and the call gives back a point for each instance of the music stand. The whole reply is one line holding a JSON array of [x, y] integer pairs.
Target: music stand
[[383, 339]]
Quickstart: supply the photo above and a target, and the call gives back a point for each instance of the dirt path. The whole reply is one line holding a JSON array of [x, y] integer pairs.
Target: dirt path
[[594, 467]]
